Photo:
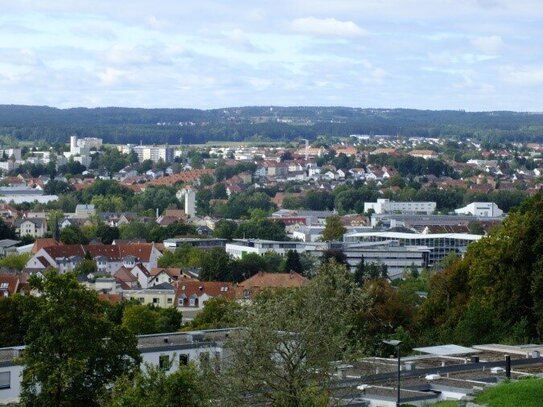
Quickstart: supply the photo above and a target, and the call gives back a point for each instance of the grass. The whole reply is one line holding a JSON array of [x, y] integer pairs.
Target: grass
[[525, 393]]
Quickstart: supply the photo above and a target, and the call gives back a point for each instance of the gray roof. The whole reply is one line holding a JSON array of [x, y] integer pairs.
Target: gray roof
[[8, 242], [447, 350]]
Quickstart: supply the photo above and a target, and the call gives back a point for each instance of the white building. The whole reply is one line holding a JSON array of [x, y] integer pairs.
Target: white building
[[481, 209], [388, 206], [190, 201], [153, 153], [440, 244], [167, 350]]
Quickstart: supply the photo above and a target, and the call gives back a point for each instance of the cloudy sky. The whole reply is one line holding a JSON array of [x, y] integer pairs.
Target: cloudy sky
[[430, 54]]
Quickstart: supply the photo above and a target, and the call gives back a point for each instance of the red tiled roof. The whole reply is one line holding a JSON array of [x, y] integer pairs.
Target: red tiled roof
[[274, 280], [185, 176], [111, 298], [114, 252], [41, 243], [125, 276], [210, 288], [65, 250], [9, 283]]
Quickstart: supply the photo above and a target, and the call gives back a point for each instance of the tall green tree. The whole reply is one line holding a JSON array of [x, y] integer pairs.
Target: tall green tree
[[72, 352], [154, 387], [293, 262], [284, 354], [334, 229]]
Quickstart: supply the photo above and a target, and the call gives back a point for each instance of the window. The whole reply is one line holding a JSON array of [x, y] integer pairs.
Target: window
[[169, 300], [5, 380], [164, 362], [4, 285], [156, 300], [183, 359], [142, 300]]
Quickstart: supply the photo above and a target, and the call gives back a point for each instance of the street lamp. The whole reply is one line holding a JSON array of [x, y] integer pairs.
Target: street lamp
[[396, 344]]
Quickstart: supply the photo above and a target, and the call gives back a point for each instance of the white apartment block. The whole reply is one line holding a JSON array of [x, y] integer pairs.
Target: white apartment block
[[388, 206], [153, 153]]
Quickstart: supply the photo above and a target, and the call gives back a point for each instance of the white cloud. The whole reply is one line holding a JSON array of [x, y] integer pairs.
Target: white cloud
[[327, 27], [523, 76], [489, 45]]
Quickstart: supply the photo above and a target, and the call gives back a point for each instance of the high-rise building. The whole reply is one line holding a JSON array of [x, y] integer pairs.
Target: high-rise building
[[190, 202]]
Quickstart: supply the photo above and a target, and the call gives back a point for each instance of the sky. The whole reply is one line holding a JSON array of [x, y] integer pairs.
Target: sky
[[474, 55]]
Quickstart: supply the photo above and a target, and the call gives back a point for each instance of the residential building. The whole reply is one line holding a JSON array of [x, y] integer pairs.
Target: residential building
[[153, 153], [247, 290], [84, 210], [109, 258], [191, 295], [35, 227], [161, 295]]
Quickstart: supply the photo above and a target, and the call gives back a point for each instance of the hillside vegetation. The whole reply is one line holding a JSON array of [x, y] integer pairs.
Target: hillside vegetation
[[132, 125]]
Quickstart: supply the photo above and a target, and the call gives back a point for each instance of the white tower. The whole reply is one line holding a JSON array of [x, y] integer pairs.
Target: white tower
[[73, 144], [190, 202]]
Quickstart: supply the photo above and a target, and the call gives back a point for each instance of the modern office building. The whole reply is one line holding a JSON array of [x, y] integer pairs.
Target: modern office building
[[388, 206], [481, 209], [396, 257], [419, 222], [439, 244], [174, 243]]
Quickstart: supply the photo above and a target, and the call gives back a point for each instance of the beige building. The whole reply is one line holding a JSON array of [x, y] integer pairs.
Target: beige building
[[161, 295], [34, 227]]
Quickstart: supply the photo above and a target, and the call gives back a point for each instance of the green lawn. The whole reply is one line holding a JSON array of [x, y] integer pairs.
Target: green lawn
[[525, 393]]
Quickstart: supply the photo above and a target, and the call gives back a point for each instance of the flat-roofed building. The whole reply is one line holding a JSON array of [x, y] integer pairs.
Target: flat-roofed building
[[388, 206], [439, 244]]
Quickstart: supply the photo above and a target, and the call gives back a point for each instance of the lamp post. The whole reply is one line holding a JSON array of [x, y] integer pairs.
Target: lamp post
[[396, 344]]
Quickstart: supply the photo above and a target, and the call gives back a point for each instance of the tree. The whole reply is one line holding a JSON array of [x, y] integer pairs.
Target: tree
[[219, 191], [55, 187], [107, 234], [206, 180], [247, 266], [15, 261], [154, 387], [334, 229], [72, 352], [169, 320], [86, 267], [14, 324], [293, 262], [216, 265], [284, 354], [140, 319], [225, 229], [217, 313], [72, 234], [53, 219], [360, 273], [334, 255]]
